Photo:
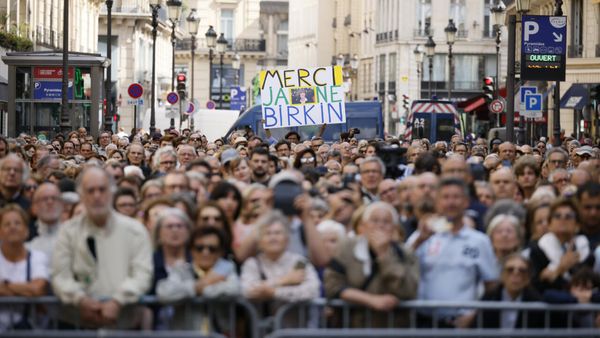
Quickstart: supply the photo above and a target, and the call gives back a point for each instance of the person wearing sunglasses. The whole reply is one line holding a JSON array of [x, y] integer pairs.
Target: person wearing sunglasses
[[560, 252], [514, 287], [307, 158]]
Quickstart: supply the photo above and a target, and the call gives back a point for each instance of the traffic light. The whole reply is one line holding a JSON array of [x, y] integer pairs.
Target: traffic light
[[488, 88], [405, 101], [181, 85], [595, 93]]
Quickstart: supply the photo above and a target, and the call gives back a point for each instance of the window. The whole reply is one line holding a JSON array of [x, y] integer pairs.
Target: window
[[488, 25], [458, 12], [576, 48], [439, 68], [392, 73], [423, 16], [227, 23], [470, 69], [282, 39], [381, 73]]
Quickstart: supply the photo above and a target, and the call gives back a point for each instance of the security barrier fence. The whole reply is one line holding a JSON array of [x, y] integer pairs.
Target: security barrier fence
[[237, 317]]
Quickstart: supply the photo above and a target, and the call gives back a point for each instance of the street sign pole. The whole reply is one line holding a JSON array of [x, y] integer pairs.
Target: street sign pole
[[135, 117], [510, 80]]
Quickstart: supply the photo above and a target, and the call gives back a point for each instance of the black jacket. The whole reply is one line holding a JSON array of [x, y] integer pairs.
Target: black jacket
[[491, 318]]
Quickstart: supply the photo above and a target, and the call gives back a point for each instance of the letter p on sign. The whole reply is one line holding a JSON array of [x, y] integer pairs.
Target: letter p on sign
[[531, 28]]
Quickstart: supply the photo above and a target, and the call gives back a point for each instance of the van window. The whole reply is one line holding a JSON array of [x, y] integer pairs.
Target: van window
[[445, 128], [368, 127], [421, 126]]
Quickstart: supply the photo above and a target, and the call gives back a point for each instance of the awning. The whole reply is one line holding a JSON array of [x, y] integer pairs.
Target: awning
[[575, 98], [474, 105]]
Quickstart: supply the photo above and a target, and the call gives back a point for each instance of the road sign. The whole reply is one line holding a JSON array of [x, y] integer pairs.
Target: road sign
[[497, 106], [172, 97], [135, 102], [172, 112], [238, 98], [533, 106], [543, 47], [135, 90], [211, 104], [191, 108]]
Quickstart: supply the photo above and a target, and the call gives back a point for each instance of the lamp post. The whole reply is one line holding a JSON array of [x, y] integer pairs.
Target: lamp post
[[522, 7], [211, 43], [354, 61], [65, 118], [221, 48], [193, 22], [339, 60], [418, 51], [174, 7], [154, 7], [108, 85], [430, 50], [450, 37], [556, 116], [498, 18], [236, 63]]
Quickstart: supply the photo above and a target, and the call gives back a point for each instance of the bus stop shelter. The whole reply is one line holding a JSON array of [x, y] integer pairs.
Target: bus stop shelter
[[35, 92]]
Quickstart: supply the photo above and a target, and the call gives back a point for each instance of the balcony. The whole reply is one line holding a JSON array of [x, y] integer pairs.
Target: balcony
[[575, 51], [386, 36], [423, 33], [462, 34], [238, 45]]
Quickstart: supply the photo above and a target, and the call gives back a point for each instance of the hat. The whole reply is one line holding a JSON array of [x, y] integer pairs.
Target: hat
[[240, 139], [584, 150], [156, 136], [496, 141], [228, 155], [283, 176]]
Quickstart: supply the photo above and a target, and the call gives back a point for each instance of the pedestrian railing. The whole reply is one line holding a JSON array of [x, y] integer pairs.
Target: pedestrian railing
[[336, 318]]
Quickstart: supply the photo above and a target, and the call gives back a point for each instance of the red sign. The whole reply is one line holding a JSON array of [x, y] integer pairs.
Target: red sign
[[41, 73], [135, 90]]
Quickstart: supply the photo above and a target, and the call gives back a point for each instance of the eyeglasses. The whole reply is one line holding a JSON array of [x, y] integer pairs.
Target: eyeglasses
[[556, 161], [307, 160], [513, 269], [167, 163], [9, 169], [211, 248], [47, 199], [566, 217], [30, 187]]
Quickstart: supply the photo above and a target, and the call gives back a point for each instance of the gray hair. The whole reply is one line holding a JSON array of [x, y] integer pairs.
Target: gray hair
[[379, 206], [558, 171], [25, 173], [171, 212], [374, 159], [272, 217], [332, 226], [162, 151]]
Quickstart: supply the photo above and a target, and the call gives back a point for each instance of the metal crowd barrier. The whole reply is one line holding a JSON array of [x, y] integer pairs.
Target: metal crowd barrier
[[314, 319], [235, 309]]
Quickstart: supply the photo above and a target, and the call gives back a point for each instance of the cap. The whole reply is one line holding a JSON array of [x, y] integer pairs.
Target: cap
[[228, 155], [283, 176], [240, 139], [585, 150]]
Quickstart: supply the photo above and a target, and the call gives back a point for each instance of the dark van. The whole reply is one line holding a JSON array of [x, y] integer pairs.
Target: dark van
[[367, 116]]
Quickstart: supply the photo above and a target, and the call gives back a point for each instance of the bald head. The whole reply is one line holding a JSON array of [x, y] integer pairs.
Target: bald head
[[455, 166], [503, 183], [580, 177], [507, 151]]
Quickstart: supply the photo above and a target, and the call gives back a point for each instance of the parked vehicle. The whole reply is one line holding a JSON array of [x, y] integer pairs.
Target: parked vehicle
[[434, 120]]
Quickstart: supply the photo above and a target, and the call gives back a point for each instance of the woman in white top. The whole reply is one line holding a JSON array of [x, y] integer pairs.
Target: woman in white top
[[24, 273]]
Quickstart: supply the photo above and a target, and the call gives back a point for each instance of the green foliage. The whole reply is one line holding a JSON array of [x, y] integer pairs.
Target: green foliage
[[15, 42]]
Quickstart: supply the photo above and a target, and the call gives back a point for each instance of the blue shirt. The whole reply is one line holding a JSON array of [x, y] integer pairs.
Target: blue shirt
[[453, 265]]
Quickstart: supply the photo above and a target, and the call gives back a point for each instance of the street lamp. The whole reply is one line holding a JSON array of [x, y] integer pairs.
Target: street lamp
[[339, 60], [450, 37], [430, 50], [498, 18], [523, 6], [193, 22], [211, 43], [108, 85], [174, 7], [236, 63], [221, 48], [418, 51], [154, 7]]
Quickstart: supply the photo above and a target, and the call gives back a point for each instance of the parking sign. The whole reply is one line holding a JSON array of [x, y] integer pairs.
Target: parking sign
[[543, 47]]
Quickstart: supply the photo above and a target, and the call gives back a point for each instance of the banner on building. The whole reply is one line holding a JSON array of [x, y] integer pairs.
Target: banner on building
[[302, 97]]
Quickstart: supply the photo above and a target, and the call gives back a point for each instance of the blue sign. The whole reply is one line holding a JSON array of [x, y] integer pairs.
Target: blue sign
[[238, 98], [533, 102], [172, 97], [525, 91], [50, 90], [543, 47]]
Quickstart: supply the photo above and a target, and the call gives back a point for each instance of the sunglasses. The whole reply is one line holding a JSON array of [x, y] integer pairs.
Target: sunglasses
[[207, 218], [513, 269], [211, 248], [30, 187], [307, 160]]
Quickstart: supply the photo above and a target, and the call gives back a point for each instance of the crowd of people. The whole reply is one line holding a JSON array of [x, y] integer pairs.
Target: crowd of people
[[100, 222]]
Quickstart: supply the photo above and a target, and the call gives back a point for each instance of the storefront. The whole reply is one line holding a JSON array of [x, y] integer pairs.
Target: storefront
[[35, 92]]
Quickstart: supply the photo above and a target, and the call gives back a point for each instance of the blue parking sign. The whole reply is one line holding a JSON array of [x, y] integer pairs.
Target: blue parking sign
[[533, 102], [543, 47]]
